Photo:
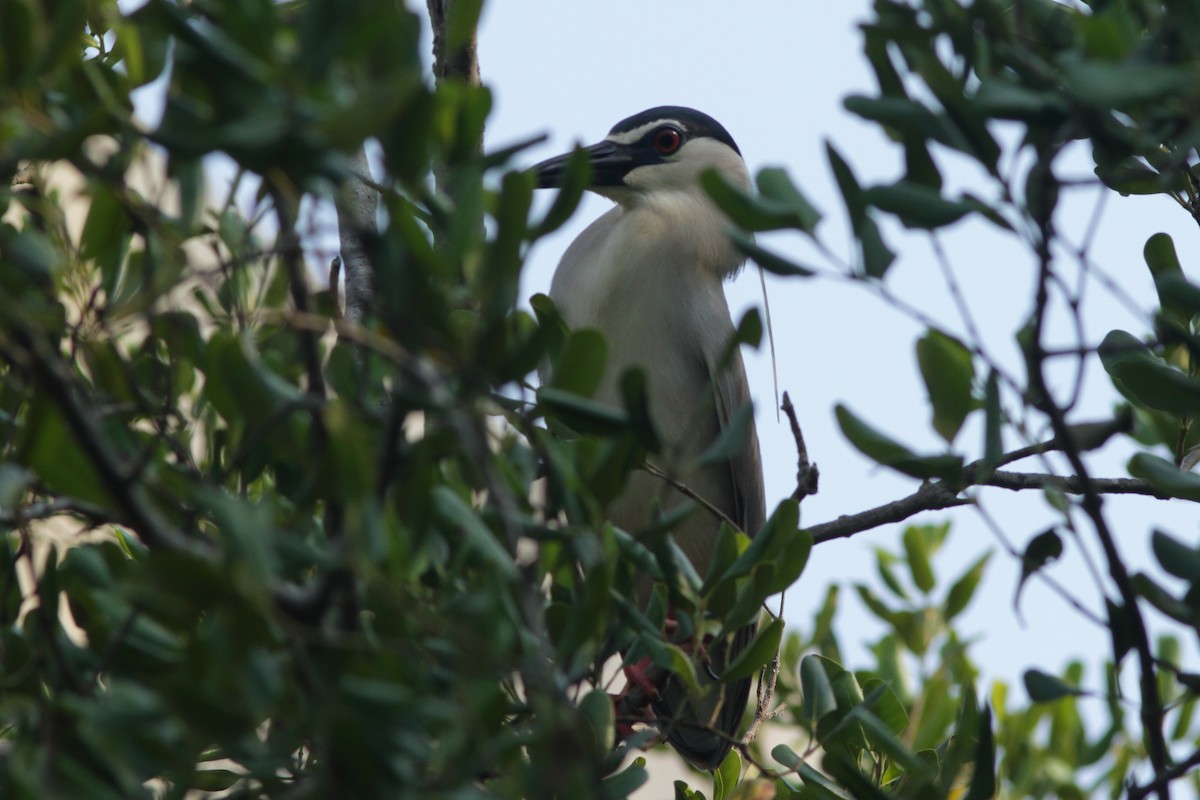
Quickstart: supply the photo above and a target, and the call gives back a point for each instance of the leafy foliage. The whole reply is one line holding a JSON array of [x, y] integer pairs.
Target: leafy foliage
[[249, 546]]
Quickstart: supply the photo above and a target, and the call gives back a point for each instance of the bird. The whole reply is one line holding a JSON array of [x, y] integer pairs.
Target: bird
[[649, 275]]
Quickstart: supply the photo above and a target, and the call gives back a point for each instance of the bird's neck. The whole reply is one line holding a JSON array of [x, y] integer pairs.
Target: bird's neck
[[687, 228]]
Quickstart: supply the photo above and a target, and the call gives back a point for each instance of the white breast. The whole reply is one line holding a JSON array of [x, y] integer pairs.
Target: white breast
[[653, 287]]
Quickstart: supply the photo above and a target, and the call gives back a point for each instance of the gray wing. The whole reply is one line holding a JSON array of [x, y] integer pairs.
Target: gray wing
[[732, 392], [704, 732]]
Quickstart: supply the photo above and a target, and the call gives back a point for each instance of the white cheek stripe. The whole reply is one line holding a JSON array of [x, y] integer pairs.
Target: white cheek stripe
[[629, 137]]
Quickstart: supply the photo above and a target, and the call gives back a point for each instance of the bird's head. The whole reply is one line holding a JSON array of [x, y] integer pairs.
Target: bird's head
[[663, 149]]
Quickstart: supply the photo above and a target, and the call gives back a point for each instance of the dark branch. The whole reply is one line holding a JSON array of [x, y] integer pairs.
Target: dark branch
[[807, 474], [936, 496], [930, 497]]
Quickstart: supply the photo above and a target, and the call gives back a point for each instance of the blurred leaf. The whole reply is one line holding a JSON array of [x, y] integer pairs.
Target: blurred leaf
[[582, 414], [1109, 85], [993, 443], [888, 452], [1146, 380], [1165, 477], [1042, 549], [757, 654], [726, 776], [983, 777], [1176, 557], [755, 213], [816, 691], [963, 589], [1180, 299], [917, 553], [731, 442], [949, 372], [917, 205], [885, 705], [771, 262], [883, 565], [624, 783], [455, 512], [1046, 688], [579, 368], [597, 709], [876, 256], [775, 184], [575, 182]]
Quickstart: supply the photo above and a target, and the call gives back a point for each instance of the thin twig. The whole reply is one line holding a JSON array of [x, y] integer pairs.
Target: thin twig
[[807, 475], [687, 491]]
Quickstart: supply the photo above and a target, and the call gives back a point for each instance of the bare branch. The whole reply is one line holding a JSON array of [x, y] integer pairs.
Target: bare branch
[[807, 475], [930, 497]]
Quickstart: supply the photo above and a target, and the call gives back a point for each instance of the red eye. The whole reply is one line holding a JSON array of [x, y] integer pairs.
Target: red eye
[[667, 141]]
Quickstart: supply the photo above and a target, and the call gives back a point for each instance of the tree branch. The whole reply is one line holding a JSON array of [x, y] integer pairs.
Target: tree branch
[[807, 475], [930, 497], [937, 496], [1151, 705], [356, 210]]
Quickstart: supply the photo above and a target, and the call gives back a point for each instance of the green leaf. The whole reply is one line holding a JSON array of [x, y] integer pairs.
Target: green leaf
[[816, 691], [1176, 557], [875, 605], [574, 183], [50, 449], [757, 654], [1045, 688], [908, 118], [917, 205], [750, 212], [949, 371], [771, 262], [1160, 256], [993, 444], [680, 663], [1042, 549], [726, 776], [876, 255], [625, 782], [890, 453], [1179, 298], [852, 193], [597, 708], [963, 589], [1145, 379], [1165, 477], [983, 777], [774, 184], [1003, 99], [916, 551], [1131, 177], [579, 368], [844, 767], [455, 512], [883, 565], [1173, 288], [1107, 85], [582, 414], [885, 705], [732, 441], [1120, 627]]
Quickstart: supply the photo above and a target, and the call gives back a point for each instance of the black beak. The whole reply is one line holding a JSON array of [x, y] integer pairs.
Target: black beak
[[609, 162]]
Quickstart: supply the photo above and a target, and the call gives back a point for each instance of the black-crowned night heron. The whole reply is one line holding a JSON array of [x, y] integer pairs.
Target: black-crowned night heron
[[648, 274]]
